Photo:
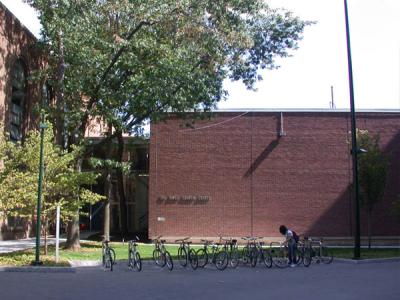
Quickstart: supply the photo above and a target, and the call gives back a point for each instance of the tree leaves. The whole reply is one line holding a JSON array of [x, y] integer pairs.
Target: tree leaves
[[132, 60], [62, 184], [372, 168]]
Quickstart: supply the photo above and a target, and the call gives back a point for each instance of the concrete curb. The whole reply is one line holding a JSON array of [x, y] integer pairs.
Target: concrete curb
[[96, 263], [84, 263], [32, 269], [366, 261]]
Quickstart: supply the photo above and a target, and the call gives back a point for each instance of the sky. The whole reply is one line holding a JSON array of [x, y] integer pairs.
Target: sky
[[304, 80]]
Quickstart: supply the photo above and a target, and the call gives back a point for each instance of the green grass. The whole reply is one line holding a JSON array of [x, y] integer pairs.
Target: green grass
[[26, 257], [92, 251], [366, 253], [88, 251]]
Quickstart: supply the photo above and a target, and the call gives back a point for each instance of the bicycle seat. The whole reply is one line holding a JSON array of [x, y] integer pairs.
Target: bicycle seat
[[206, 241]]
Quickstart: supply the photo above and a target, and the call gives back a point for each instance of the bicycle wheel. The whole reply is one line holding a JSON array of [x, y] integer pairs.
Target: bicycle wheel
[[159, 258], [245, 255], [221, 261], [131, 259], [253, 257], [107, 262], [326, 255], [182, 256], [234, 258], [307, 257], [266, 257], [194, 262], [112, 252], [202, 257], [112, 258], [137, 264], [168, 260], [280, 257], [298, 256]]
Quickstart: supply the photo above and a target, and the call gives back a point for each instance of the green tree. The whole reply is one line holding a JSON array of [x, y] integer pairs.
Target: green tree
[[62, 184], [128, 61], [373, 169]]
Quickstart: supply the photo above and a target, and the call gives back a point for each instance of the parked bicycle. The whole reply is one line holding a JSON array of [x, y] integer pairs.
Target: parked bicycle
[[279, 254], [108, 255], [261, 255], [212, 253], [249, 251], [232, 249], [160, 254], [303, 252], [134, 260], [186, 254], [319, 252]]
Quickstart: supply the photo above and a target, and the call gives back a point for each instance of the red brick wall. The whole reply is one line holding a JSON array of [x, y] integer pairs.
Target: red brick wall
[[17, 43], [256, 180]]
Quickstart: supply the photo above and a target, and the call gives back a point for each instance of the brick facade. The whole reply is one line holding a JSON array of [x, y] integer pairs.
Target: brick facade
[[17, 43], [234, 175], [17, 47]]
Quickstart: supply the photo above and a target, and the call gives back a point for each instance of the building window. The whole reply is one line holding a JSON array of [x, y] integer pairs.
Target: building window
[[17, 100]]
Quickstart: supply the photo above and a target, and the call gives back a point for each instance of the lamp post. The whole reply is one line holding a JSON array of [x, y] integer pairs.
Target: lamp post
[[353, 141], [42, 127]]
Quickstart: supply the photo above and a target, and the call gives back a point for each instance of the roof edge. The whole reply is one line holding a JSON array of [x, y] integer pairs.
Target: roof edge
[[26, 29], [325, 110]]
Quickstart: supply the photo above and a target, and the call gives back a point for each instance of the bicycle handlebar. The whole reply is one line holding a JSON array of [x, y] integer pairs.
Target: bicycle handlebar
[[182, 240]]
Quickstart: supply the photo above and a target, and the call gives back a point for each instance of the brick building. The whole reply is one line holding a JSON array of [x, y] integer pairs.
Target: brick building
[[245, 173], [19, 57]]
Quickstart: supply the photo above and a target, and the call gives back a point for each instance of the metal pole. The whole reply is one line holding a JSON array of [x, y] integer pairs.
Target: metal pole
[[353, 141], [37, 261], [58, 234]]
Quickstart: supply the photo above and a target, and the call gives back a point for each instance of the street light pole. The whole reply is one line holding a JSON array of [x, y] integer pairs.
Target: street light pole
[[42, 127], [353, 141]]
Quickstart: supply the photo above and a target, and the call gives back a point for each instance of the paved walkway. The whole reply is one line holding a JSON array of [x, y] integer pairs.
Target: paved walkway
[[17, 245]]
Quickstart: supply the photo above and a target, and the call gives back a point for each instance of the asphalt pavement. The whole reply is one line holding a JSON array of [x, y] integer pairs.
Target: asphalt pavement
[[334, 281]]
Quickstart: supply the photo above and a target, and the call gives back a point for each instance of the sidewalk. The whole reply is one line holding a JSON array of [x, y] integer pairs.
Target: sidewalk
[[17, 245]]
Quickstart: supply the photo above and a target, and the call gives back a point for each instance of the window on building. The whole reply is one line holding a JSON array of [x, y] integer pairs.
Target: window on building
[[17, 100]]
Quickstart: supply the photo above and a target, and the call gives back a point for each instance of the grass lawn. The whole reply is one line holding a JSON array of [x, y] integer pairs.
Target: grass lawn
[[88, 251], [92, 251], [366, 253]]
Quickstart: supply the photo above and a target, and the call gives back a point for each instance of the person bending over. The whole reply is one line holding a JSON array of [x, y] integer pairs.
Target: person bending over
[[291, 241]]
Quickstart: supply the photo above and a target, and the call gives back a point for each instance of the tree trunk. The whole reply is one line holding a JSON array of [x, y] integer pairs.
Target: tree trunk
[[106, 218], [73, 235], [121, 188], [59, 121]]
